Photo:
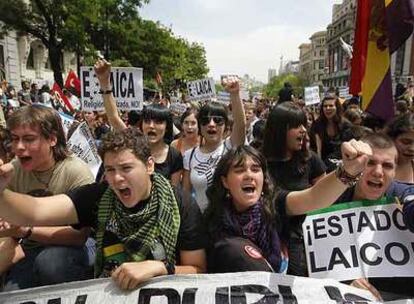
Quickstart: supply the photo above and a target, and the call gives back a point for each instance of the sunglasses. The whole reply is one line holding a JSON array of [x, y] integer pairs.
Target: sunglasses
[[218, 120]]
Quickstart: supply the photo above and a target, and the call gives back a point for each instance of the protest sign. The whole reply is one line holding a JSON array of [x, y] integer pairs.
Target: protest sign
[[201, 89], [67, 121], [344, 92], [178, 108], [358, 239], [246, 287], [127, 86], [312, 95], [82, 144], [223, 98]]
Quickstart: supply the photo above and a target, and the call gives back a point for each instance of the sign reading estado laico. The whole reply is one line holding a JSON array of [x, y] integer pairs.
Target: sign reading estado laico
[[242, 287], [358, 239], [201, 89], [127, 86]]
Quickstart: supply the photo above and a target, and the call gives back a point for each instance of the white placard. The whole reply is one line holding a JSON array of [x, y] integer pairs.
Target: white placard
[[242, 287], [67, 121], [344, 93], [127, 84], [312, 95], [82, 144], [178, 108], [201, 89], [223, 98], [364, 239]]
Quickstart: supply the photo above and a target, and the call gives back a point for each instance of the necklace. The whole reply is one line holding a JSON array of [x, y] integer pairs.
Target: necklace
[[45, 177]]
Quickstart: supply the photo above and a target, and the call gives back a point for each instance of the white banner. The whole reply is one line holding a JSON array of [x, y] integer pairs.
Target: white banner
[[127, 84], [359, 239], [344, 93], [67, 121], [201, 89], [82, 144], [223, 98], [243, 287], [312, 95]]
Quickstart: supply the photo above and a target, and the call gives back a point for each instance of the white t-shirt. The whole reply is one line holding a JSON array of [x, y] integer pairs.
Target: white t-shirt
[[202, 166]]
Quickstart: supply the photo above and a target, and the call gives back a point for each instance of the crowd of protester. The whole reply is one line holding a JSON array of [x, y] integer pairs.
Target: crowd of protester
[[186, 193]]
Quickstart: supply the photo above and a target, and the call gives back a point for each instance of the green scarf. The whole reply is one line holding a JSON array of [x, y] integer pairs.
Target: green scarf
[[157, 221]]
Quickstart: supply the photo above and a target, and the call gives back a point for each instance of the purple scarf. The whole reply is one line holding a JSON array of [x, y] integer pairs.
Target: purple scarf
[[250, 224]]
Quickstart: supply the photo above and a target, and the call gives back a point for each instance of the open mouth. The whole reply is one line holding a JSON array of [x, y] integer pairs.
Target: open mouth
[[375, 184], [25, 159], [211, 132], [125, 192], [151, 133], [248, 189]]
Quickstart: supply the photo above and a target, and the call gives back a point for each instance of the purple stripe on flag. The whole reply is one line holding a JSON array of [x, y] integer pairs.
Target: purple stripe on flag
[[400, 19], [382, 104]]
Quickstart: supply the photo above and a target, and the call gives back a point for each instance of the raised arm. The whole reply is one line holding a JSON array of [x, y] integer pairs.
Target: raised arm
[[20, 209], [326, 191], [238, 133], [103, 71]]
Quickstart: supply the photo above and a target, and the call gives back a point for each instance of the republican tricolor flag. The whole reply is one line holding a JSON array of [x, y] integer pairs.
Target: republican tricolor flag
[[382, 26]]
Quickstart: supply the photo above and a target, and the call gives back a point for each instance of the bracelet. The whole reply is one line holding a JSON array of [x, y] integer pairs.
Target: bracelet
[[169, 266], [105, 92], [346, 178]]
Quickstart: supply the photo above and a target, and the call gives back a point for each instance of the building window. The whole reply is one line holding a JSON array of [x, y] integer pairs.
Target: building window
[[30, 60], [321, 53]]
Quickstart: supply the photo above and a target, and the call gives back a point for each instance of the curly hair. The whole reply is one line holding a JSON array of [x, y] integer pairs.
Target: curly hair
[[217, 193], [127, 139]]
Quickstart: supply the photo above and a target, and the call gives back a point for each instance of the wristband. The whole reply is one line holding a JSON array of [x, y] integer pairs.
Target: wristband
[[169, 266], [346, 178], [105, 92]]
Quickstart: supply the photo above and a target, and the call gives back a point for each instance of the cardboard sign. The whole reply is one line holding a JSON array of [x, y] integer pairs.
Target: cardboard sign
[[243, 287], [127, 85], [358, 239], [82, 144], [312, 95], [201, 89]]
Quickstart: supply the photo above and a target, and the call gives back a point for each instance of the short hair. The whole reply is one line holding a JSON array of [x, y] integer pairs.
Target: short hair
[[379, 141], [158, 111], [213, 109], [126, 139], [49, 123], [400, 125], [352, 115]]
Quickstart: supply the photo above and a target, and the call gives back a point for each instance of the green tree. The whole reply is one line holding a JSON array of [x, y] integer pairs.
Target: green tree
[[60, 25], [276, 83]]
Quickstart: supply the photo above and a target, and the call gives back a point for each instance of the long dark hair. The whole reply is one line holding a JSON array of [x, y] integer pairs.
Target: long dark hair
[[212, 109], [159, 112], [337, 119], [281, 119], [220, 203]]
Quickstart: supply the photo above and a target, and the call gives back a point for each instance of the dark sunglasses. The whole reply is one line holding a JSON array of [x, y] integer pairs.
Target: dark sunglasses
[[218, 120]]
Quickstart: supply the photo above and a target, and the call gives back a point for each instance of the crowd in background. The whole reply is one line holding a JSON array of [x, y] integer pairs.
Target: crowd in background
[[241, 174]]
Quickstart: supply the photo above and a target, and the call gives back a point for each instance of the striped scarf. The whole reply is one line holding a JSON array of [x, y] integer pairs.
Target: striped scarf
[[157, 222]]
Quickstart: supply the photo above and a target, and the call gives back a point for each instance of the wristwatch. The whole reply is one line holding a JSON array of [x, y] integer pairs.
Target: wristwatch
[[346, 178]]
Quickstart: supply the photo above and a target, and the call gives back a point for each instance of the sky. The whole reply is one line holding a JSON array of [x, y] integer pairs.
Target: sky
[[243, 36]]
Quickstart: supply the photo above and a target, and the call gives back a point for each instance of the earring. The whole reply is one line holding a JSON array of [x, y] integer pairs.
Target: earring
[[228, 195]]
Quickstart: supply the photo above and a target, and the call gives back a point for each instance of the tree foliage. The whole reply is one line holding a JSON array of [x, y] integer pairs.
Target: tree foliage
[[272, 89], [112, 26]]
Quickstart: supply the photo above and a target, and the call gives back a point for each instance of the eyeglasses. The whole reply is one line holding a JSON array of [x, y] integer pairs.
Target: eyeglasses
[[218, 120]]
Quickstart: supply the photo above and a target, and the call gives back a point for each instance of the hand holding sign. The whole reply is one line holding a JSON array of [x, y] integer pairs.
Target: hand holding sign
[[231, 84], [103, 72], [355, 154]]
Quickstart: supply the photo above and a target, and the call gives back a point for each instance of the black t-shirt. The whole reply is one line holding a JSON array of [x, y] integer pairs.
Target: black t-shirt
[[286, 174], [191, 235], [172, 164]]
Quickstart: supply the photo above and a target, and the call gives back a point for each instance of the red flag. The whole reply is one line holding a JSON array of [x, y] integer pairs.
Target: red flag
[[72, 81], [360, 46], [56, 88]]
